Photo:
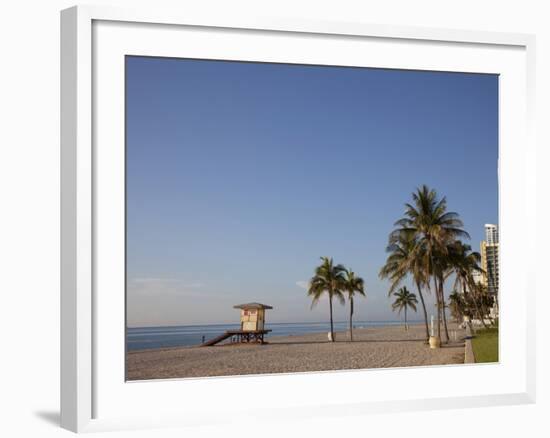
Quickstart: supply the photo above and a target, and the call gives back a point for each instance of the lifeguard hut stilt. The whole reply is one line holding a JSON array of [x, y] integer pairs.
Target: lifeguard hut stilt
[[252, 325]]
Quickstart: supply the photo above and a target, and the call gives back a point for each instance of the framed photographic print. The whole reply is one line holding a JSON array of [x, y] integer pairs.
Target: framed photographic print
[[253, 208]]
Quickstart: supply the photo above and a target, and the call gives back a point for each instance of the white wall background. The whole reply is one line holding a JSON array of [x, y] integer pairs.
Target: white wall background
[[29, 215]]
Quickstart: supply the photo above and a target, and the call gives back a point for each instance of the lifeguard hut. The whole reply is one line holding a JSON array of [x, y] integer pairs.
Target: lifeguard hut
[[252, 325], [252, 316]]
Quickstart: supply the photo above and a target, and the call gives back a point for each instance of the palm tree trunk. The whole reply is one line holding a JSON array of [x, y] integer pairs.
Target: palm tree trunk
[[424, 309], [469, 312], [443, 311], [442, 293], [484, 312], [437, 298], [438, 310], [331, 325], [478, 310], [350, 319], [406, 326]]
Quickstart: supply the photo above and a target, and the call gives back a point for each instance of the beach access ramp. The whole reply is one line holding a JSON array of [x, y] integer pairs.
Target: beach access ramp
[[242, 336], [217, 339]]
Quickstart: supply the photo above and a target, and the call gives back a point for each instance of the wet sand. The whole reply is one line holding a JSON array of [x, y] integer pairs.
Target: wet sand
[[379, 347]]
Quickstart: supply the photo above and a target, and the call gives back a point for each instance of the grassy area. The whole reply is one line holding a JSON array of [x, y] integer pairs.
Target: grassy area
[[485, 345]]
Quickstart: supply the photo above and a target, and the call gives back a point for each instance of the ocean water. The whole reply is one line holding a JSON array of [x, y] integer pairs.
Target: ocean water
[[142, 338]]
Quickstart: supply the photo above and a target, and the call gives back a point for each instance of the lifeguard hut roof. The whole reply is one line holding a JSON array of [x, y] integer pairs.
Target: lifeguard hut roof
[[252, 306]]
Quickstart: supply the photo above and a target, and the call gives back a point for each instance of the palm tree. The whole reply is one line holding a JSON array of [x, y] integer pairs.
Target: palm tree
[[403, 259], [457, 304], [327, 279], [464, 262], [403, 300], [483, 302], [352, 284], [434, 227]]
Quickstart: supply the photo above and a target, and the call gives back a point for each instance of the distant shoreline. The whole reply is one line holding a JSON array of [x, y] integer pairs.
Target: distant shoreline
[[214, 324], [166, 337]]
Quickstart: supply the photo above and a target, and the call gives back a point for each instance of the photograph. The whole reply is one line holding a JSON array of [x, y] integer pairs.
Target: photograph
[[291, 218]]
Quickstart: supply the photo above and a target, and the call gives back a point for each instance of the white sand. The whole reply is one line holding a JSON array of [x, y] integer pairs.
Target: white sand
[[380, 347]]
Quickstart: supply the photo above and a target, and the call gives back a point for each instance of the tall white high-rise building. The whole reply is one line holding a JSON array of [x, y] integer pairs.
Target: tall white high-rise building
[[491, 234], [490, 259]]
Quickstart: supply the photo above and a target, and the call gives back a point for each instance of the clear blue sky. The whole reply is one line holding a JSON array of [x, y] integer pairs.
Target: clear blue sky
[[241, 175]]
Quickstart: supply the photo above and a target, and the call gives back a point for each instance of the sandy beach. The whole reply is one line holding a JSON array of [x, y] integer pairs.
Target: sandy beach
[[380, 347]]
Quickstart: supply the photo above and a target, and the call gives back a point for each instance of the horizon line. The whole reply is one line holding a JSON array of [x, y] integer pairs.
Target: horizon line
[[304, 322]]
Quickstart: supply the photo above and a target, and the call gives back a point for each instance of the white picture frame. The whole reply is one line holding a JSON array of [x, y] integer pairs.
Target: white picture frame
[[93, 395]]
